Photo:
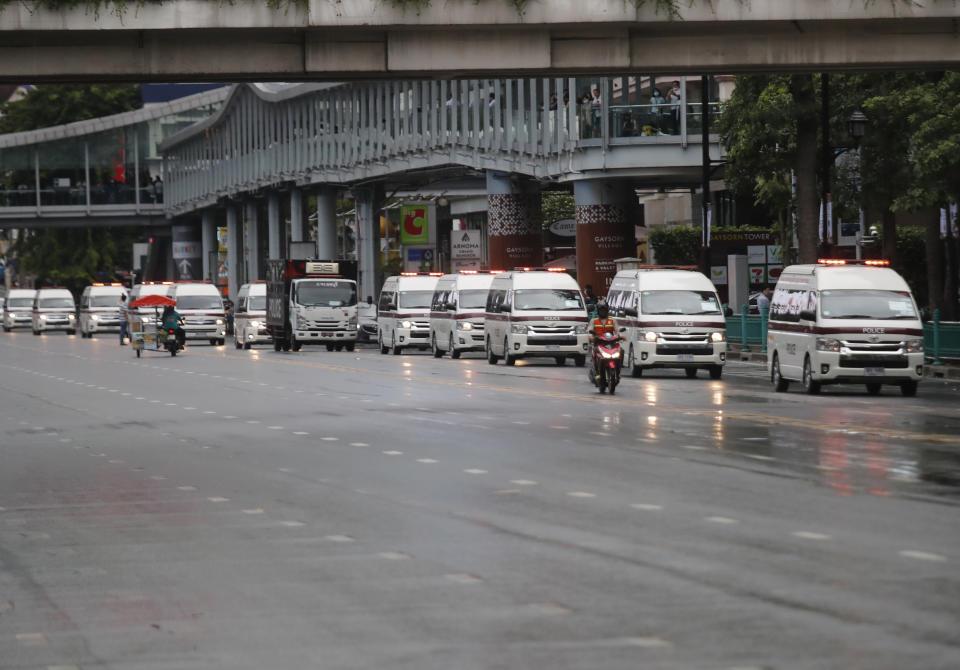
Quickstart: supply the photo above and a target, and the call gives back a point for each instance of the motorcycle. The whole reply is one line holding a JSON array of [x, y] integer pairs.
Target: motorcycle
[[607, 362], [171, 343]]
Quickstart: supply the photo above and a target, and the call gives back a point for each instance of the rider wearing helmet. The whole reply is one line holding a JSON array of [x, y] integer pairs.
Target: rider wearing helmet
[[598, 326]]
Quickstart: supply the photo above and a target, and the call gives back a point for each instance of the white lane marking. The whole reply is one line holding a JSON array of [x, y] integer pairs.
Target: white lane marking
[[359, 444], [923, 556], [560, 427], [292, 524], [581, 494], [65, 439], [647, 642], [691, 447], [63, 667], [31, 639], [300, 432], [255, 510], [463, 578], [338, 538], [189, 409], [393, 453], [599, 434], [647, 507], [274, 427], [393, 555], [139, 397], [808, 535], [209, 412], [157, 478], [229, 416], [155, 401], [425, 460], [171, 404], [523, 482], [755, 439], [252, 421], [759, 457], [475, 471], [218, 499], [126, 394], [330, 439], [721, 520], [187, 488], [521, 423]]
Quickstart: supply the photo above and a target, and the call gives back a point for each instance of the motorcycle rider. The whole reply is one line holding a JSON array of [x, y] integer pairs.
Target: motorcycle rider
[[598, 326], [171, 321]]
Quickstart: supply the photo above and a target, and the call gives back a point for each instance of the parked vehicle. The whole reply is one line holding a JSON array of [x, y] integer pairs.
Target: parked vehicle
[[54, 309], [250, 316], [312, 302], [673, 319], [457, 312], [367, 320], [535, 312], [201, 306], [404, 316], [19, 309], [842, 321], [100, 306]]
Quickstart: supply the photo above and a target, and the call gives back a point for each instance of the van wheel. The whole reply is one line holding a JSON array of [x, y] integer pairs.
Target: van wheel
[[383, 349], [635, 370], [873, 389], [579, 360], [716, 371], [454, 353], [221, 341], [246, 346], [393, 345], [36, 332], [349, 347], [810, 386], [507, 358], [779, 383], [909, 389], [690, 372], [437, 351], [236, 344], [71, 332], [561, 360], [491, 357]]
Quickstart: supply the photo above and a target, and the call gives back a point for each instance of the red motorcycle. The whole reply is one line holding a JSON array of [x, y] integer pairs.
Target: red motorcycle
[[607, 362]]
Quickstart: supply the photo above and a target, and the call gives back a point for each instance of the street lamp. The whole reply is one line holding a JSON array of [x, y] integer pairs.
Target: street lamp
[[857, 125]]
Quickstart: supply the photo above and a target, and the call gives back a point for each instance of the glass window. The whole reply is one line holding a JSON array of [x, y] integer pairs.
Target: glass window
[[679, 302], [55, 303], [473, 299], [866, 304], [547, 300], [325, 293], [19, 303], [415, 299], [105, 300], [257, 303], [200, 302]]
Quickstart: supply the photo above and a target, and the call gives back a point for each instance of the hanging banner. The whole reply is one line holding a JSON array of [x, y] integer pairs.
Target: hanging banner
[[706, 241], [820, 225], [954, 224], [943, 223], [416, 224], [828, 222]]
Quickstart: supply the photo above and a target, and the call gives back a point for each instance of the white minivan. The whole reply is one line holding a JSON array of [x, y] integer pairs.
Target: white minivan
[[100, 309], [54, 309], [145, 314], [19, 309], [673, 319], [849, 322], [250, 316], [536, 312], [457, 312], [404, 315], [201, 308]]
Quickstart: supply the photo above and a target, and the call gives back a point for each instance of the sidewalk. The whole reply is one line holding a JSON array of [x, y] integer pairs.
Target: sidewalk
[[950, 370]]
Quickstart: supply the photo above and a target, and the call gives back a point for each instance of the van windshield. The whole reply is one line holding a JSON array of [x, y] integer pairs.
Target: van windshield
[[473, 299], [679, 302], [415, 299], [19, 302], [55, 303], [325, 293], [866, 304], [258, 303], [547, 300], [200, 302], [106, 300]]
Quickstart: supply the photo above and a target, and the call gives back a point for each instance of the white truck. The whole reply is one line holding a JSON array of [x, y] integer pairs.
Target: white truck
[[312, 302]]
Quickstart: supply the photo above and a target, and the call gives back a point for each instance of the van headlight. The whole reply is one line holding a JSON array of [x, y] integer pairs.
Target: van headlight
[[405, 324], [94, 317], [914, 346], [717, 336], [71, 316], [219, 322], [519, 329], [580, 328], [828, 344], [43, 317], [256, 325], [650, 336], [464, 325]]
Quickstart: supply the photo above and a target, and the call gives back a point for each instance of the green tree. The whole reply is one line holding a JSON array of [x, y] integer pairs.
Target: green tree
[[675, 245], [56, 104]]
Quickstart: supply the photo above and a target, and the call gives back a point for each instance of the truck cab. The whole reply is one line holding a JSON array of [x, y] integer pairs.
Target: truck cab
[[312, 302]]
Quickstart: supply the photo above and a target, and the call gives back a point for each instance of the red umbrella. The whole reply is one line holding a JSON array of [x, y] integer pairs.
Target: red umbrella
[[154, 301]]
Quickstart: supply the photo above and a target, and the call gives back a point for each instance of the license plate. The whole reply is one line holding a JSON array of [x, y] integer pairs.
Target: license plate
[[873, 372], [685, 358], [326, 334], [553, 347]]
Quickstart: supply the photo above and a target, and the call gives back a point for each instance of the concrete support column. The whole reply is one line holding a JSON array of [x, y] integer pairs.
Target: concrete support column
[[274, 236], [606, 212], [208, 237], [187, 250], [253, 240], [327, 224], [234, 251], [368, 202], [296, 215], [515, 222]]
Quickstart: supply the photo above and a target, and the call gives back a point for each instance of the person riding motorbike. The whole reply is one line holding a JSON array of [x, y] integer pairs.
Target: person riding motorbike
[[598, 326], [170, 320]]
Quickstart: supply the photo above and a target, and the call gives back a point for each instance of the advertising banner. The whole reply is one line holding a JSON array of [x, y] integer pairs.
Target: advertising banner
[[758, 274], [718, 274], [465, 245], [416, 224]]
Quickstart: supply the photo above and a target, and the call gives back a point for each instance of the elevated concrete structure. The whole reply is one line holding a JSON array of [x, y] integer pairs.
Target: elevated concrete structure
[[202, 40]]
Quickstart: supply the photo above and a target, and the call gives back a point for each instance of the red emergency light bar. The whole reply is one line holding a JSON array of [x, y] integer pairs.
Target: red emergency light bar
[[421, 274], [844, 261], [526, 269], [480, 272], [97, 283]]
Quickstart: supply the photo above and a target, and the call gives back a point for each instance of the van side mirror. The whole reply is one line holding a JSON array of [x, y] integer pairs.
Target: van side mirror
[[623, 330], [451, 306], [728, 311], [807, 315]]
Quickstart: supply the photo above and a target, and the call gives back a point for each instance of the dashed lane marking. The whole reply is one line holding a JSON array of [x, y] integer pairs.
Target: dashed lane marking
[[581, 494], [330, 439], [393, 555], [523, 482], [393, 452], [344, 539], [923, 556], [256, 510], [359, 444], [463, 578], [218, 499], [274, 427], [32, 639], [426, 460], [808, 535], [292, 524], [475, 471], [721, 520], [647, 507], [300, 432], [187, 488]]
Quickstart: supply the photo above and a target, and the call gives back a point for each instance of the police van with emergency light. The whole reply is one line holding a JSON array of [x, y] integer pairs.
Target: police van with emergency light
[[457, 312], [54, 309], [201, 308], [536, 312], [844, 321], [250, 316], [100, 308], [403, 320], [145, 314], [673, 319], [18, 312]]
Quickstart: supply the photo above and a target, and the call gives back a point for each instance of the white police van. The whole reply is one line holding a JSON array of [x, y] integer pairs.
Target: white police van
[[458, 310], [101, 308], [250, 316], [54, 309], [842, 321], [403, 320]]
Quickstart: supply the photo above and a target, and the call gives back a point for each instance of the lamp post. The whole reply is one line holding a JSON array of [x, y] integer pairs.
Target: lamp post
[[857, 128]]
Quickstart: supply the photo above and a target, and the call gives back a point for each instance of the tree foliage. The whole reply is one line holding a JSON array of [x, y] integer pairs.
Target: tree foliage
[[56, 104], [675, 245]]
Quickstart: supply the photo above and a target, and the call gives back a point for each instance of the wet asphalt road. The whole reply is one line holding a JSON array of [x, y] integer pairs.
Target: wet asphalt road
[[255, 510]]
